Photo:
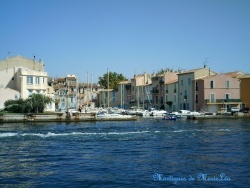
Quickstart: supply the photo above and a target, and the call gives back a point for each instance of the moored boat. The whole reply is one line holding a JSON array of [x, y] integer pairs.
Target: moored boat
[[169, 117], [158, 113], [114, 116], [186, 113]]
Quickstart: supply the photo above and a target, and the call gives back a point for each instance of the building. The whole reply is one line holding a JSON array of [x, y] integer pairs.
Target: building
[[29, 81], [217, 93], [245, 90], [107, 98], [19, 61], [8, 94], [124, 94], [140, 95], [158, 93], [186, 87], [171, 96], [23, 76], [69, 93]]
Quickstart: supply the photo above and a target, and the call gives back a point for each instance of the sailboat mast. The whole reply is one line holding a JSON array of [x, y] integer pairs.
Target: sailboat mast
[[87, 88], [108, 88]]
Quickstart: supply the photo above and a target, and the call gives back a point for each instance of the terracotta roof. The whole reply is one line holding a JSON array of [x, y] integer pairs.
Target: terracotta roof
[[190, 71], [234, 74], [244, 76]]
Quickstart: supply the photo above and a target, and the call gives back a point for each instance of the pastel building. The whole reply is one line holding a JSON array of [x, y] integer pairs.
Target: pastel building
[[158, 93], [186, 91], [245, 90], [124, 94], [171, 96], [140, 95], [72, 94], [217, 93]]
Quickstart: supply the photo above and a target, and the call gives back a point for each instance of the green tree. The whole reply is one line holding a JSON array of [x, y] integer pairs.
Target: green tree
[[15, 106], [37, 102], [114, 79], [162, 71]]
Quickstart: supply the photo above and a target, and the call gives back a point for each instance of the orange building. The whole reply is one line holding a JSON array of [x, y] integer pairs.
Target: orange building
[[245, 90]]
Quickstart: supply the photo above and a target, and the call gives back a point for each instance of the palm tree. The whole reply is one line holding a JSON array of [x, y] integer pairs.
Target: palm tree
[[38, 102]]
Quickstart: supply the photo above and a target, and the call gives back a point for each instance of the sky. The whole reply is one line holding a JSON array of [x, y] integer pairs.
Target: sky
[[89, 37]]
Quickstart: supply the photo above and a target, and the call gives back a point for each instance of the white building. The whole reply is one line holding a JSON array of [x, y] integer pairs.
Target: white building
[[8, 94], [24, 77]]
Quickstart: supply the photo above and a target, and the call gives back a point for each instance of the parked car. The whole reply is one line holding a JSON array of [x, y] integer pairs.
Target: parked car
[[235, 109]]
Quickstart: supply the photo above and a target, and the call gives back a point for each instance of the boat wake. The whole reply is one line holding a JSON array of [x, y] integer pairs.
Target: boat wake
[[51, 134]]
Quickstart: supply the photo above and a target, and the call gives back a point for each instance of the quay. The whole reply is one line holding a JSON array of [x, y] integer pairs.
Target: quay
[[56, 117], [221, 116]]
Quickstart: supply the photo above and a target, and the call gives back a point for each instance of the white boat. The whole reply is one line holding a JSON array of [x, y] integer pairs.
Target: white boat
[[186, 113], [114, 116], [144, 113], [134, 111], [158, 113]]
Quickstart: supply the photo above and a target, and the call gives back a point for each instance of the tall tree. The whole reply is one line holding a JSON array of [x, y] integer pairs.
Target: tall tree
[[114, 79]]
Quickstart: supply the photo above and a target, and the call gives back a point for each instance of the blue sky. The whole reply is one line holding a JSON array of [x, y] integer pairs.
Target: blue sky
[[127, 36]]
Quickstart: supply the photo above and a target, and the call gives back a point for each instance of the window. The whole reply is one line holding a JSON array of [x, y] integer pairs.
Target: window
[[161, 100], [211, 84], [37, 80], [181, 82], [166, 87], [189, 81], [196, 86], [227, 96], [212, 97], [196, 99], [227, 84], [29, 79], [16, 96], [185, 94], [29, 92]]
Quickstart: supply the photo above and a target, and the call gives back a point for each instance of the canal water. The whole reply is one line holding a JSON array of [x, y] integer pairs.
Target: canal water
[[143, 153]]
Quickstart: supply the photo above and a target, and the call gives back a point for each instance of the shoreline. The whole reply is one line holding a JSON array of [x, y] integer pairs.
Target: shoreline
[[57, 117], [220, 116]]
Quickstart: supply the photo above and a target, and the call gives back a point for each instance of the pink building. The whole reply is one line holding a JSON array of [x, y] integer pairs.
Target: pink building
[[217, 93]]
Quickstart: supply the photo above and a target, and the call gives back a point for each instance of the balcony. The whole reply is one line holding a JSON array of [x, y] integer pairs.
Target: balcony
[[222, 101]]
